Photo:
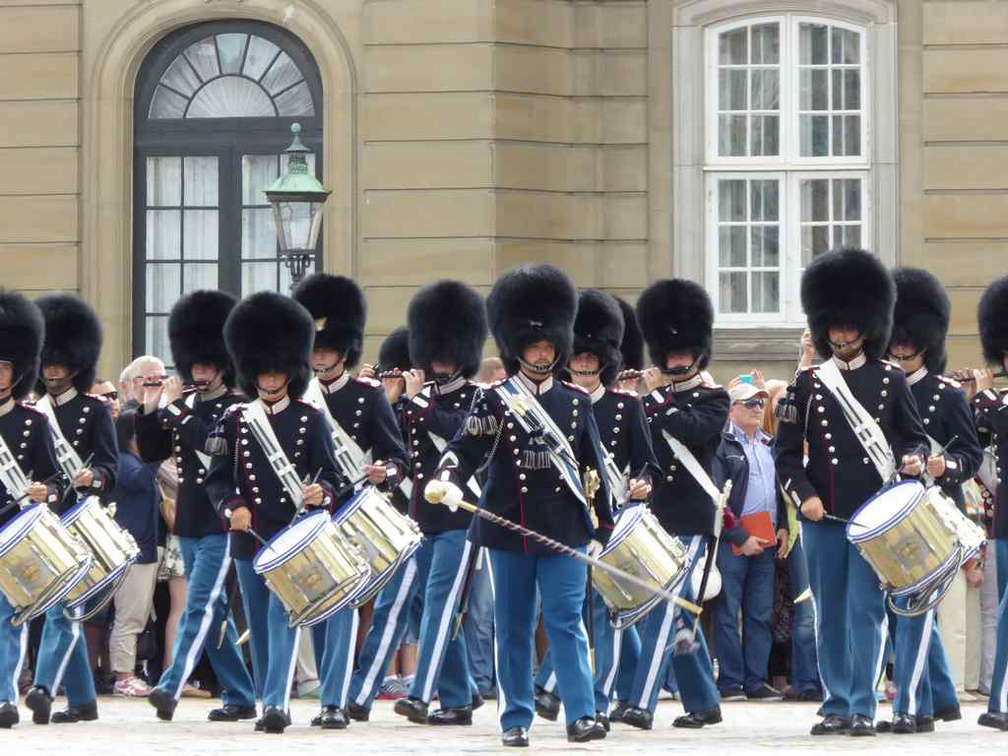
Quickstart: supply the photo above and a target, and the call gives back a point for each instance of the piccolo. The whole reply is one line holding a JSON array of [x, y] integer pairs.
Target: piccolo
[[970, 378]]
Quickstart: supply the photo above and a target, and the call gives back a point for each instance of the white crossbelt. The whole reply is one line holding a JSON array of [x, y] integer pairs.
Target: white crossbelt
[[11, 474], [69, 461], [440, 444], [255, 416], [204, 458], [693, 466]]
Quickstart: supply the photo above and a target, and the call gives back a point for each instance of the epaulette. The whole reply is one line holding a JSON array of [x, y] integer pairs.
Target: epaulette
[[32, 408], [625, 392], [948, 381], [368, 382], [890, 363], [232, 408], [574, 386], [807, 369], [710, 385]]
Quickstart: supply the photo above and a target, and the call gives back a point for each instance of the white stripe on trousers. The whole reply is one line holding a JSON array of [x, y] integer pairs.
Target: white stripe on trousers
[[550, 685], [22, 652], [444, 626], [293, 667], [617, 649], [815, 622], [75, 631], [378, 663], [192, 656], [880, 660], [348, 673], [661, 644], [501, 697], [919, 662]]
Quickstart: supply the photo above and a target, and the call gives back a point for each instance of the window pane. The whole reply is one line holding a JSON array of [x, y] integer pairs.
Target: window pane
[[295, 101], [258, 172], [731, 200], [732, 89], [852, 89], [156, 337], [852, 236], [231, 47], [201, 181], [765, 135], [846, 199], [163, 234], [731, 135], [813, 45], [259, 276], [231, 97], [765, 246], [766, 292], [199, 276], [732, 246], [732, 47], [852, 135], [167, 104], [814, 89], [765, 89], [814, 135], [815, 200], [164, 282], [766, 43], [180, 75], [200, 235], [203, 56], [260, 54], [815, 241], [733, 293], [259, 238], [281, 74], [846, 46], [164, 181], [764, 199]]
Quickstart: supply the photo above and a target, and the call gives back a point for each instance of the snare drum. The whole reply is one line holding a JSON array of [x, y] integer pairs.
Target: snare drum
[[905, 539], [112, 547], [40, 562], [640, 546], [971, 536], [386, 537], [312, 569]]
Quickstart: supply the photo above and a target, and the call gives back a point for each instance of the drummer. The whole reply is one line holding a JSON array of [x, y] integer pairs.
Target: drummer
[[531, 314], [447, 328], [24, 436], [848, 297], [597, 360], [677, 320], [360, 407], [73, 338], [925, 689], [269, 338], [992, 423], [184, 429]]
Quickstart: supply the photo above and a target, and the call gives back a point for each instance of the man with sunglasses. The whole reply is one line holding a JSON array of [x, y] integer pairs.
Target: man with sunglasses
[[746, 553]]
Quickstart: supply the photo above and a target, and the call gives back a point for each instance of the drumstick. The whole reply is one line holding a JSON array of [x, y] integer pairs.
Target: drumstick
[[350, 486], [835, 518], [301, 507], [250, 531]]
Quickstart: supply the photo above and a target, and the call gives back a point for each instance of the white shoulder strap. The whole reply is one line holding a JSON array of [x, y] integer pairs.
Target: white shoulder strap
[[286, 473], [69, 461], [203, 457]]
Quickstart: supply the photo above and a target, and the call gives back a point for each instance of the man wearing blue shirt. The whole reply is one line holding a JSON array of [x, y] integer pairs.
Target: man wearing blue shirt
[[745, 559]]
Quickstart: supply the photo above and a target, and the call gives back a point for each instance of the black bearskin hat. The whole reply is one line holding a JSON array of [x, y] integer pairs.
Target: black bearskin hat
[[598, 329], [196, 332], [992, 314], [22, 330], [447, 323], [849, 288], [676, 314], [337, 306], [394, 351], [73, 337], [529, 304], [922, 313], [268, 331], [632, 347]]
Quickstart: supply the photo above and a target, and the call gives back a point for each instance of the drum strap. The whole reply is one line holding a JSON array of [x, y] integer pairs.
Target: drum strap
[[440, 444], [204, 458], [348, 452], [12, 476], [690, 462], [286, 473], [69, 461], [866, 430]]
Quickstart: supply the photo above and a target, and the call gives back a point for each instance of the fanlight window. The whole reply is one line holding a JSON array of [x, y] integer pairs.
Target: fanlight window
[[231, 76]]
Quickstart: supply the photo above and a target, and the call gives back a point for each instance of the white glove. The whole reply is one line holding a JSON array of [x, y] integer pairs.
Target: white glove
[[594, 548], [443, 492]]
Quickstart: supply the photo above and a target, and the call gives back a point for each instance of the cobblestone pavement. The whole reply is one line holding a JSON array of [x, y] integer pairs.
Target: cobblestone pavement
[[129, 727]]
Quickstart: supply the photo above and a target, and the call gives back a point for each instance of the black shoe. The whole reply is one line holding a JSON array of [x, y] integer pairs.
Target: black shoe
[[765, 693], [585, 729], [996, 719], [40, 703], [460, 716], [230, 713], [617, 711], [949, 714], [832, 724], [71, 714], [903, 724], [274, 720], [603, 720], [260, 725], [694, 720], [805, 696], [883, 727], [861, 726], [413, 709], [642, 719], [8, 715], [924, 724], [733, 694], [164, 703], [333, 718], [358, 712], [547, 705], [477, 701], [515, 737]]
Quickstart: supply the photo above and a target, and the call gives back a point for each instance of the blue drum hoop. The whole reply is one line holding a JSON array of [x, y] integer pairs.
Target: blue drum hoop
[[635, 513], [904, 511], [20, 525], [260, 564]]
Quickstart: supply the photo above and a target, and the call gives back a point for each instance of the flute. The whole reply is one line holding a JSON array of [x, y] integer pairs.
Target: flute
[[970, 378]]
